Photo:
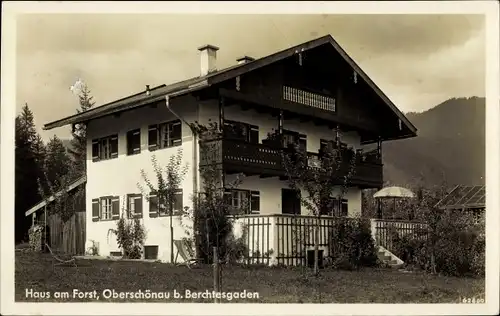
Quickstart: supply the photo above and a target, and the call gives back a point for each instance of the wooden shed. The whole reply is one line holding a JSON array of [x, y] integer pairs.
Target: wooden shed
[[67, 236]]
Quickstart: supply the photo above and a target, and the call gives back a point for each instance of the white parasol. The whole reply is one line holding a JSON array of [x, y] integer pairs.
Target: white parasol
[[394, 193]]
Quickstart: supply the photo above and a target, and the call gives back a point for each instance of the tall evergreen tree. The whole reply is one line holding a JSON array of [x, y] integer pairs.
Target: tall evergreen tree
[[78, 148], [29, 157], [57, 161]]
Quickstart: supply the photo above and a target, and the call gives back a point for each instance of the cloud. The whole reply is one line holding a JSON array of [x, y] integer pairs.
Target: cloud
[[418, 60]]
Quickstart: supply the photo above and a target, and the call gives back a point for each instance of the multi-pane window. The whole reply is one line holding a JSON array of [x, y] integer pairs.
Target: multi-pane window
[[159, 206], [291, 138], [134, 142], [245, 201], [334, 207], [105, 208], [134, 205], [241, 131], [105, 148], [165, 135]]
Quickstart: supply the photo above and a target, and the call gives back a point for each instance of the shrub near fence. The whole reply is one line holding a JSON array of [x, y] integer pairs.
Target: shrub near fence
[[352, 244], [457, 243]]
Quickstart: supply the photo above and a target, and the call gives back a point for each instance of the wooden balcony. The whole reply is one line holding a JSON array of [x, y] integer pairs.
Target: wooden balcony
[[258, 159]]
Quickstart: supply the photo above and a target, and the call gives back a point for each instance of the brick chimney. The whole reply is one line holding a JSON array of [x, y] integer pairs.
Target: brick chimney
[[244, 59], [208, 59]]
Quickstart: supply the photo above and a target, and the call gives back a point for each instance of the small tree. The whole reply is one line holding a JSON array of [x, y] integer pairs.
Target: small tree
[[168, 181], [325, 181], [63, 202], [213, 223]]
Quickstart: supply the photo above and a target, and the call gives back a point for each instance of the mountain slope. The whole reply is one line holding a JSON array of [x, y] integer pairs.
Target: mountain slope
[[450, 143]]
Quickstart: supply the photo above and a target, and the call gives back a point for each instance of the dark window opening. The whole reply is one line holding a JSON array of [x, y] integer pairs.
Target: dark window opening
[[151, 252], [241, 131], [134, 142]]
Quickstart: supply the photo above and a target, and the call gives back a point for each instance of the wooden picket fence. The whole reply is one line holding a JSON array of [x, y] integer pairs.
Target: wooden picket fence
[[68, 237]]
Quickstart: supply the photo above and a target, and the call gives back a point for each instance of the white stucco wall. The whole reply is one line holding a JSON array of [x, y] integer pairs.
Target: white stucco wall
[[120, 176]]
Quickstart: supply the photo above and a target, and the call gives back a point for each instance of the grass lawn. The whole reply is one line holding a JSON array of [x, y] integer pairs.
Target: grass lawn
[[273, 285]]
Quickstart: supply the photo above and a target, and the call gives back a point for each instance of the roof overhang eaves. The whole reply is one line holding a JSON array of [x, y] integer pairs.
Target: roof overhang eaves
[[86, 116]]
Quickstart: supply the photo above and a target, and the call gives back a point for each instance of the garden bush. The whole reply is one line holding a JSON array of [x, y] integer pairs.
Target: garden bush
[[456, 246], [353, 245], [130, 236]]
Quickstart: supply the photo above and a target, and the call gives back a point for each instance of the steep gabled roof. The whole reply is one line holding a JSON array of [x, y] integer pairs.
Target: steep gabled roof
[[158, 93], [70, 188], [464, 197]]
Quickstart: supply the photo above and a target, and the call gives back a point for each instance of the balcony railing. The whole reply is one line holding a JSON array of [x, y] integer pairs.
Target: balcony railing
[[240, 156]]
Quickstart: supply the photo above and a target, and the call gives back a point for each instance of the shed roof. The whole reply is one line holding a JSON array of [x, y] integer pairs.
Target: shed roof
[[70, 188], [464, 197]]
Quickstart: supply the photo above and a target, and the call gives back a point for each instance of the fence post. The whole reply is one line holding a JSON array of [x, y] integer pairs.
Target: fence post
[[216, 274], [373, 224], [275, 239]]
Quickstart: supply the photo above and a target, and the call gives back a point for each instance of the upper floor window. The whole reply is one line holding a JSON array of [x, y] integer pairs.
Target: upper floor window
[[241, 131], [134, 142], [165, 135], [308, 98], [293, 138], [105, 148]]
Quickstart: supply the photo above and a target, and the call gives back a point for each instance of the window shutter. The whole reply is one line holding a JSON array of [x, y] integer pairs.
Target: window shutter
[[128, 209], [134, 142], [344, 208], [303, 142], [95, 210], [254, 202], [254, 134], [115, 207], [113, 143], [153, 137], [227, 197], [138, 206], [178, 202], [95, 150], [153, 205]]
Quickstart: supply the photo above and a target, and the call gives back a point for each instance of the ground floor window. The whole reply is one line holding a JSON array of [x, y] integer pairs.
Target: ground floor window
[[335, 207], [243, 201], [105, 208]]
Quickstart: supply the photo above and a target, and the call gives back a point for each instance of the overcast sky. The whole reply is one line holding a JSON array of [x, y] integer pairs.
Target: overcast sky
[[417, 60]]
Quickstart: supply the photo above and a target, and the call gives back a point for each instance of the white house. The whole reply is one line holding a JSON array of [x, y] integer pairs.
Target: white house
[[311, 93]]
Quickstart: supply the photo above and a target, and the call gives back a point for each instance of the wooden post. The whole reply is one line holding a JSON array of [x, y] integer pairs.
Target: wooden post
[[216, 274], [280, 122], [221, 113], [45, 229], [379, 148]]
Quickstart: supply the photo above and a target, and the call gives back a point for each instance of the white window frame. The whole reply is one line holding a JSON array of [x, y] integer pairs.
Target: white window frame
[[106, 209], [164, 135]]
